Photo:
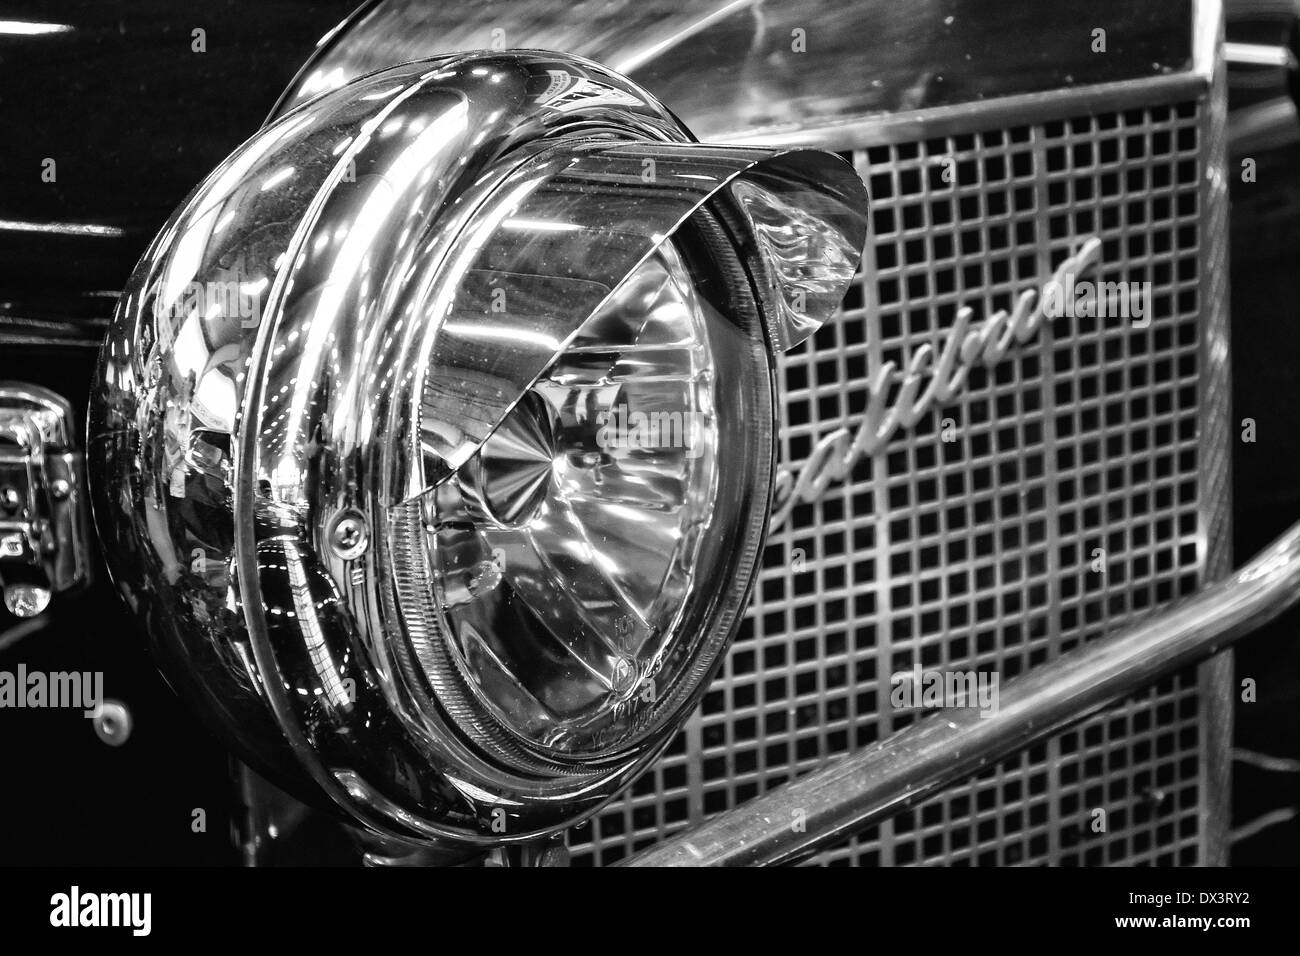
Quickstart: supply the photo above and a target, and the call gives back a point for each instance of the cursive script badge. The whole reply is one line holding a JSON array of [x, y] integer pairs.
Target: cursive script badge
[[943, 376]]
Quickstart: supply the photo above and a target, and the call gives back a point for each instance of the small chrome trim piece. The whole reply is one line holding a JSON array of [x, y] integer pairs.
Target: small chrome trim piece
[[32, 28], [46, 334], [1259, 54], [88, 229], [45, 541]]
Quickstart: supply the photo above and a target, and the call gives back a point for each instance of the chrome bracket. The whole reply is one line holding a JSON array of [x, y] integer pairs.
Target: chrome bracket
[[44, 528]]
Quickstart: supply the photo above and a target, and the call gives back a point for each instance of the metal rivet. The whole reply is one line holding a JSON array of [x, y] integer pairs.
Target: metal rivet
[[112, 722], [60, 489], [349, 537], [10, 499]]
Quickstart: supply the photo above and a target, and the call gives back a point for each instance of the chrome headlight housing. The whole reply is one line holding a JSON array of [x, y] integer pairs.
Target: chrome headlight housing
[[435, 433]]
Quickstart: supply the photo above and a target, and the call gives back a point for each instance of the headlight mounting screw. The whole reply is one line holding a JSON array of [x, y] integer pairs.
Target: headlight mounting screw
[[349, 536]]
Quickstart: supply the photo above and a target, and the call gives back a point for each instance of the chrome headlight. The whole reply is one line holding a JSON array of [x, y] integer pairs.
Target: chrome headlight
[[435, 433]]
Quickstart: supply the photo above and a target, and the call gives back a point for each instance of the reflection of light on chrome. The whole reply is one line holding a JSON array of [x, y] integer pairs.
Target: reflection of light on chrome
[[318, 649], [30, 28], [1218, 348], [319, 82], [190, 350], [60, 228], [1259, 54], [382, 94], [637, 57], [477, 793], [1270, 566], [277, 177], [366, 224], [540, 225], [472, 331]]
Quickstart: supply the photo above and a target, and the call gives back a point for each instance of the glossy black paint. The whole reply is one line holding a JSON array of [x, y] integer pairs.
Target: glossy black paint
[[133, 118]]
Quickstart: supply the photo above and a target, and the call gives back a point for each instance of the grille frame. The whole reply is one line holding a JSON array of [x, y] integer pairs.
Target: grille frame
[[683, 771]]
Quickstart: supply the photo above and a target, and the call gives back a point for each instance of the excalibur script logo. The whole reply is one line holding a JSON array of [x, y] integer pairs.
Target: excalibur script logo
[[985, 343]]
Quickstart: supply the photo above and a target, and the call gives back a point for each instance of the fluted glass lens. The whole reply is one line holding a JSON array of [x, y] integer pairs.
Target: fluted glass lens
[[569, 554]]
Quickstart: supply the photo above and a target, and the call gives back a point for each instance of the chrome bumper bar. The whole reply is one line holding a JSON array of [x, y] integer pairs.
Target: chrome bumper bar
[[834, 802]]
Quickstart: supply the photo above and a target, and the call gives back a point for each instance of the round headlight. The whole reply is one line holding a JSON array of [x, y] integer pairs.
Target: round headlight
[[435, 435]]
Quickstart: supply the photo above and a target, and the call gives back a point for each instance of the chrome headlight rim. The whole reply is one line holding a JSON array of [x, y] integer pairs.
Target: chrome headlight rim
[[294, 591]]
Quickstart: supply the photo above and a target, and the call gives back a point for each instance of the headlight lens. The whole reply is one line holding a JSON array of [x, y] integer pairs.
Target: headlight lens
[[584, 558]]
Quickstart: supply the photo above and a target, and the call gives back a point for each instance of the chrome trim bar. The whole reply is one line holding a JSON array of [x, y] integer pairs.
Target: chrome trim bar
[[1259, 54], [832, 803]]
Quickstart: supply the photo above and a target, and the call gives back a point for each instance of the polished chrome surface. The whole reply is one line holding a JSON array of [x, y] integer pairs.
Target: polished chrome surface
[[822, 807], [1215, 435], [320, 350], [1260, 54], [789, 71], [45, 545]]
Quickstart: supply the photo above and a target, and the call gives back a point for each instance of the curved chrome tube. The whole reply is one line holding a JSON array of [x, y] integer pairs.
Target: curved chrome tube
[[310, 346], [856, 791]]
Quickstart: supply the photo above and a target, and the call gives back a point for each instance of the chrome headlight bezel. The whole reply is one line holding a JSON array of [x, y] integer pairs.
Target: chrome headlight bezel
[[262, 559]]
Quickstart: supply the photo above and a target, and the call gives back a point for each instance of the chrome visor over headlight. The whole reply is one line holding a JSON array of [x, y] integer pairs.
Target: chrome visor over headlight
[[435, 433]]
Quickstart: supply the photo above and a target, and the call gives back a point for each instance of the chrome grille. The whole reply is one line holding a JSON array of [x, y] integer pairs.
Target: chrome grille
[[977, 553]]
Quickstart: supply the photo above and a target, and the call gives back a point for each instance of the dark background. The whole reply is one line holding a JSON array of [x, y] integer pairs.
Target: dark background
[[135, 119]]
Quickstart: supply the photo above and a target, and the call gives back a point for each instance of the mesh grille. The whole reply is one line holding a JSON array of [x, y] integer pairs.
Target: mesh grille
[[970, 541]]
